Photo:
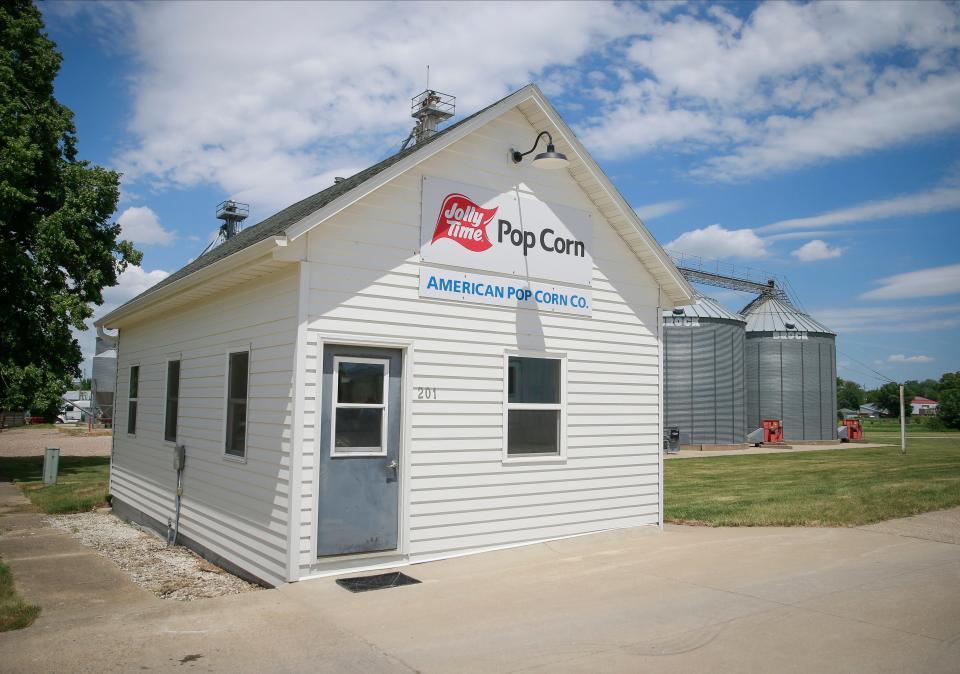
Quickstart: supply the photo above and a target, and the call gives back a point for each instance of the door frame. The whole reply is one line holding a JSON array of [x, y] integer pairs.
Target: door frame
[[406, 348]]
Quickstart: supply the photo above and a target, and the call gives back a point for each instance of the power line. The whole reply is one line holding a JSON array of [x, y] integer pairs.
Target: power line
[[879, 374]]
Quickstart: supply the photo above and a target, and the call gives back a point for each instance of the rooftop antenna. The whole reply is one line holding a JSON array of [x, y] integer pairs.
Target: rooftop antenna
[[430, 108], [233, 213]]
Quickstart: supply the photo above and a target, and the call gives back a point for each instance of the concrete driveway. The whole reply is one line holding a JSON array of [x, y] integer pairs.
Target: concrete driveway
[[884, 598]]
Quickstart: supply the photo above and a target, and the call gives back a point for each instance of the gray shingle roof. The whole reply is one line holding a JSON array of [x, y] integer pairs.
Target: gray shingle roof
[[277, 223], [771, 314]]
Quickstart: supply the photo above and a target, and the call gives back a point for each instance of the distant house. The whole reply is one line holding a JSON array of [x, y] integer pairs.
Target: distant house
[[924, 406], [869, 411], [847, 413]]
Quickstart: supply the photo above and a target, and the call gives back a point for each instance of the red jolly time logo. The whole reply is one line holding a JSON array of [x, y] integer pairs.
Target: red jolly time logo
[[465, 222]]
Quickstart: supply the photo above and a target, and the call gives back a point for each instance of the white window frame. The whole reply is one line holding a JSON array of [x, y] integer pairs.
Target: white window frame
[[334, 405], [561, 455], [248, 349], [135, 399], [166, 367]]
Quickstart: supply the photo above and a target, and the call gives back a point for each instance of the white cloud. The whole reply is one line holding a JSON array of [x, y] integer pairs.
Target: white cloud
[[793, 85], [895, 113], [660, 208], [901, 358], [816, 250], [133, 281], [890, 319], [929, 201], [806, 234], [141, 225], [316, 90], [932, 282], [716, 241]]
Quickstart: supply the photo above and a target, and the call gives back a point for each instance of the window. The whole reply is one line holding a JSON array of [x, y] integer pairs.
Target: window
[[360, 409], [534, 409], [173, 397], [237, 370], [132, 399]]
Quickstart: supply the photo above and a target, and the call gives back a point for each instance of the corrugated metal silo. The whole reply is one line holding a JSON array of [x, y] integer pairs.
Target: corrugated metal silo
[[704, 385], [791, 364]]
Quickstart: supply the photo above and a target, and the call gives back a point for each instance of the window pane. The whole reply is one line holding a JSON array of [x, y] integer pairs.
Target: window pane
[[238, 374], [236, 427], [173, 395], [533, 380], [359, 427], [170, 424], [533, 432], [132, 416], [360, 383], [237, 404], [134, 381], [173, 379]]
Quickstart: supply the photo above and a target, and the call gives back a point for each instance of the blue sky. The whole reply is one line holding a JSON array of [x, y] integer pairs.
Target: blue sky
[[820, 142]]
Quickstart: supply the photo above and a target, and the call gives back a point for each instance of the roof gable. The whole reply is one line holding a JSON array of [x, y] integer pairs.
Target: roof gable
[[295, 220]]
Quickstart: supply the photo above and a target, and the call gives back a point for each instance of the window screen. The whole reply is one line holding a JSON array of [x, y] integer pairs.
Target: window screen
[[132, 399], [534, 405], [237, 403], [173, 397]]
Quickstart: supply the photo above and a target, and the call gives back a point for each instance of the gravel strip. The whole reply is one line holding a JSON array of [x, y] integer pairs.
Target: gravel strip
[[169, 573], [26, 441]]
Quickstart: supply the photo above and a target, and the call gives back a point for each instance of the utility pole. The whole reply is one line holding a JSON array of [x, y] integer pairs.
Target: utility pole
[[903, 424]]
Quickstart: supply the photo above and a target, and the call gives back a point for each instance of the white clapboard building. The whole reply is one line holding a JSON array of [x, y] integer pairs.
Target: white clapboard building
[[446, 353]]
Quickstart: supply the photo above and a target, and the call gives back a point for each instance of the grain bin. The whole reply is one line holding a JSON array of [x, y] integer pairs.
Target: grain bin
[[791, 366], [704, 376]]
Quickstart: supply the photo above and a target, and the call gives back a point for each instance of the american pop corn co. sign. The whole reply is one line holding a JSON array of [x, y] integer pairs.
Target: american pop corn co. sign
[[536, 245]]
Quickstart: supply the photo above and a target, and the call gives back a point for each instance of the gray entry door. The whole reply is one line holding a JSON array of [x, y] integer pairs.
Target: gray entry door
[[359, 449]]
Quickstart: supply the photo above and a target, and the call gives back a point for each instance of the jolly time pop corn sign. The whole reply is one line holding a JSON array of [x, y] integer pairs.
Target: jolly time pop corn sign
[[537, 247]]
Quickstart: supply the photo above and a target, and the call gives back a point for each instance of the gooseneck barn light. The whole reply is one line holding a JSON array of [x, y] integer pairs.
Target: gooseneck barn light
[[551, 159]]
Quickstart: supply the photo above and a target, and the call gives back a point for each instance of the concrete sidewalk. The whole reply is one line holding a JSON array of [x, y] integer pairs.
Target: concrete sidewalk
[[884, 598]]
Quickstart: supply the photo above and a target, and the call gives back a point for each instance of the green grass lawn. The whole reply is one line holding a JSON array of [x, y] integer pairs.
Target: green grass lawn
[[845, 487], [15, 613], [82, 483]]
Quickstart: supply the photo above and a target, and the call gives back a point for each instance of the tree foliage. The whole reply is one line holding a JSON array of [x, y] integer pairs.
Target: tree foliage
[[849, 394], [949, 400], [887, 398], [58, 249]]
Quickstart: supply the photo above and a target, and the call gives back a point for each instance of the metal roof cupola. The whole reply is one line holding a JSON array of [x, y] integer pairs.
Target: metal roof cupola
[[791, 368]]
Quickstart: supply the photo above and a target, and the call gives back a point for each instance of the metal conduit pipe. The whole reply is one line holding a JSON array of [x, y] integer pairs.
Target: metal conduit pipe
[[173, 526]]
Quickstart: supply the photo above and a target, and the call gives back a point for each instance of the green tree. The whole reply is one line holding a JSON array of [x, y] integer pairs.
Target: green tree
[[58, 249], [887, 398], [849, 394], [949, 407]]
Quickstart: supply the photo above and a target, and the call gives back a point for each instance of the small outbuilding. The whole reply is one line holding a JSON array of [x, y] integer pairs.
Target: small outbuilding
[[451, 351]]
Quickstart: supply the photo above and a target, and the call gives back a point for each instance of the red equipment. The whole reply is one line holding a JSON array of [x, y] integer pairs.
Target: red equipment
[[854, 429], [772, 430]]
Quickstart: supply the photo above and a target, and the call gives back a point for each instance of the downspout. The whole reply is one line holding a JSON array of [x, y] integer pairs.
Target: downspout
[[660, 393]]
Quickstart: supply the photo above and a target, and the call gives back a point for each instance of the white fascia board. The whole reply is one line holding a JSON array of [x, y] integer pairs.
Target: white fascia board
[[143, 304]]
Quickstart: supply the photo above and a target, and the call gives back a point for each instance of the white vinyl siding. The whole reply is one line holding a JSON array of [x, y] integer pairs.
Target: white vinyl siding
[[363, 278], [237, 510]]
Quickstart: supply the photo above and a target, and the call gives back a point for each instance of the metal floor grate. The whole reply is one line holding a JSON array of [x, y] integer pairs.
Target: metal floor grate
[[378, 582]]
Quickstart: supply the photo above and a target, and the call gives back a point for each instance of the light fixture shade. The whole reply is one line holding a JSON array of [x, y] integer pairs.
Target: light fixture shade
[[551, 159]]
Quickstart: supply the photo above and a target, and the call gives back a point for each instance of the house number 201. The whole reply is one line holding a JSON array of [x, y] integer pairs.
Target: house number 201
[[426, 393]]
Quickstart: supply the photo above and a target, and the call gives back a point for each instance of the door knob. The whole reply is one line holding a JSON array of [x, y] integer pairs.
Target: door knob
[[392, 469]]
